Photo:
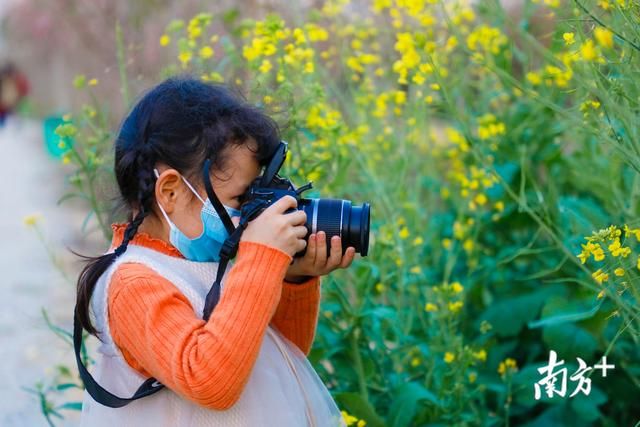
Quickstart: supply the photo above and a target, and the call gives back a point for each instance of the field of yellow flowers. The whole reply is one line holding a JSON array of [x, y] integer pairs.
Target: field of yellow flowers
[[503, 172]]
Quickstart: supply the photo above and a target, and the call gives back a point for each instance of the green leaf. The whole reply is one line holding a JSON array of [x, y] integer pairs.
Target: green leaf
[[569, 340], [404, 405], [62, 333], [86, 221], [586, 406], [565, 317], [509, 315], [66, 386], [74, 406], [581, 215]]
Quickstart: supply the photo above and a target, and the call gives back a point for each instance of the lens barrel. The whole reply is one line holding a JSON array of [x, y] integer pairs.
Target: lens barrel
[[338, 217]]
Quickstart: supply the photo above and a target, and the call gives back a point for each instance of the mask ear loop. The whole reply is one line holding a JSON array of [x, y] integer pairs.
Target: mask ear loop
[[193, 190]]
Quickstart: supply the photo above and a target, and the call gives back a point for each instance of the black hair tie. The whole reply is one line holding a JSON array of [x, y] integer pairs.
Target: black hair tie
[[120, 250]]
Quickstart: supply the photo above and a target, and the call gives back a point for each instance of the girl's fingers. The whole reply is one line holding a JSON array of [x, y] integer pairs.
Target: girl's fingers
[[311, 249], [336, 252], [301, 231], [348, 257], [321, 249]]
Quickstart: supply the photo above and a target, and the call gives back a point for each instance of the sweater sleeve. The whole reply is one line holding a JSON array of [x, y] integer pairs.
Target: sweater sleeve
[[297, 313], [155, 327]]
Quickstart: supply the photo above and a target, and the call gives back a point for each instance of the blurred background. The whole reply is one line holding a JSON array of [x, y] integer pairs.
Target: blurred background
[[496, 141]]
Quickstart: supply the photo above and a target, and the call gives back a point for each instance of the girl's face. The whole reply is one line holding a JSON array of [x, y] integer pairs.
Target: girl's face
[[184, 208]]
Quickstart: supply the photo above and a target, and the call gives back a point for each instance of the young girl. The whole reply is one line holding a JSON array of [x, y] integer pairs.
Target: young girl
[[246, 365]]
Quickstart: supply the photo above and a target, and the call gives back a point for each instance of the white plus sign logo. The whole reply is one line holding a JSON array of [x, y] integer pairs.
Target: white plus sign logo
[[604, 367]]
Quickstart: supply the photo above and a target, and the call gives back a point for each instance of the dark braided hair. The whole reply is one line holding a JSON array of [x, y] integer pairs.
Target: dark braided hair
[[180, 122]]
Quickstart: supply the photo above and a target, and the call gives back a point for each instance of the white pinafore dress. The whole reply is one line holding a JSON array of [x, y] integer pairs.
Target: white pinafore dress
[[283, 388]]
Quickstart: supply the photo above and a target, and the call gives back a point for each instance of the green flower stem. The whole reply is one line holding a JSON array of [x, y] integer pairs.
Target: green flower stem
[[357, 357]]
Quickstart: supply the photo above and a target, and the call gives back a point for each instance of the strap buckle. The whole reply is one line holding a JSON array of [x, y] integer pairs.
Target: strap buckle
[[230, 247]]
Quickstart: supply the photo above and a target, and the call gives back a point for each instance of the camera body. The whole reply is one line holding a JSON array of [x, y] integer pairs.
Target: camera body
[[266, 196], [336, 217]]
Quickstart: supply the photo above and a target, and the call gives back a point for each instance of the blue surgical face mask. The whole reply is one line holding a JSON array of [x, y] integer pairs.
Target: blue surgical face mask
[[206, 247]]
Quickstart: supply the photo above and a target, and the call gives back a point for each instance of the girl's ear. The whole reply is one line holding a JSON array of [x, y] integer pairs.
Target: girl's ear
[[168, 186]]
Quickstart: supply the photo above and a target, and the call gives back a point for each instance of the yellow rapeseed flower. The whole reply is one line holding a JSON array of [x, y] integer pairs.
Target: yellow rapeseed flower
[[206, 52], [456, 287], [604, 4], [265, 67], [569, 38], [480, 355], [617, 249], [185, 58], [534, 78], [634, 231], [507, 365], [430, 308], [449, 357], [591, 249], [31, 220], [349, 419], [619, 271], [604, 37], [600, 276], [194, 30], [446, 243], [487, 39], [455, 307], [308, 67], [588, 51], [418, 79], [316, 33], [299, 36], [480, 199], [165, 40]]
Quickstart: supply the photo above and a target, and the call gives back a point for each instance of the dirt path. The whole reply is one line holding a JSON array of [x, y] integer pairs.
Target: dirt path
[[32, 182]]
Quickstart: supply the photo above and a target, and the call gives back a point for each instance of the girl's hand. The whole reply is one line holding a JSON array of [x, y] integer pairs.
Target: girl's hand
[[315, 261], [275, 228]]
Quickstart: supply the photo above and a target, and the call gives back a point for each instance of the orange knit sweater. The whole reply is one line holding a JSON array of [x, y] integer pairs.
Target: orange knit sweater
[[154, 325]]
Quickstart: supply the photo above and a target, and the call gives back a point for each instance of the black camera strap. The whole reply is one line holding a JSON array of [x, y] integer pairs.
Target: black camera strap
[[97, 392], [230, 247]]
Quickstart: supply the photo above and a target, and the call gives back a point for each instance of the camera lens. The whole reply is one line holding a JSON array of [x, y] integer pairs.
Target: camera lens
[[337, 217]]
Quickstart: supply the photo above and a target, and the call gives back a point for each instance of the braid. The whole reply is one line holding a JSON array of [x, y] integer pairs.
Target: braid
[[146, 184]]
